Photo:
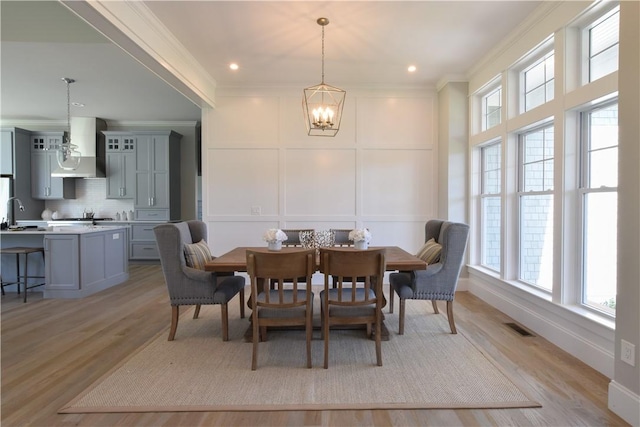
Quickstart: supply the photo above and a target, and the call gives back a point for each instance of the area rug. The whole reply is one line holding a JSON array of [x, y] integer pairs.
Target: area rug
[[427, 367]]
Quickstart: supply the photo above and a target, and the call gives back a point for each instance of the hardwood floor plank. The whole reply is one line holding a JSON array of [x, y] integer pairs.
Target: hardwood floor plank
[[53, 349]]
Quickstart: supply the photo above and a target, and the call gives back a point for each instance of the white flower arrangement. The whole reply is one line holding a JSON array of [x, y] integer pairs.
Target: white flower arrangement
[[274, 235], [360, 235]]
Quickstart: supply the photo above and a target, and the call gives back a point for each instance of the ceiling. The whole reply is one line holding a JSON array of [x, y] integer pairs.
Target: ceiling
[[275, 43]]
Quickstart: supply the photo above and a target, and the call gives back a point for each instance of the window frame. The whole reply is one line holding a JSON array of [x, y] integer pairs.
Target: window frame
[[483, 194], [533, 61], [521, 193], [584, 188], [586, 43], [497, 87]]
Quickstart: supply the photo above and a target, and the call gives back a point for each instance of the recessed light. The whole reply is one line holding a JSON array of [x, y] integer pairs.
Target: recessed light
[[233, 66], [77, 104], [412, 68]]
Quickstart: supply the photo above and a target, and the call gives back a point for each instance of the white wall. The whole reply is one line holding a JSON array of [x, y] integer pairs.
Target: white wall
[[624, 390], [380, 171]]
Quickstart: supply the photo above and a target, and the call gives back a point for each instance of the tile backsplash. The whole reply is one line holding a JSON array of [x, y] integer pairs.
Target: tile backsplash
[[91, 194]]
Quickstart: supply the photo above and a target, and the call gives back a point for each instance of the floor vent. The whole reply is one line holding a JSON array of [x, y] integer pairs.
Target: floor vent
[[519, 329]]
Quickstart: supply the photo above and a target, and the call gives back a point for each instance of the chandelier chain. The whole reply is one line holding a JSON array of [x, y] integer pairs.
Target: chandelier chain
[[322, 54]]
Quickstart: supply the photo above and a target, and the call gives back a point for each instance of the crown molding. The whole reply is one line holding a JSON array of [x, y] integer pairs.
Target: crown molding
[[542, 11], [150, 123], [451, 78], [26, 123]]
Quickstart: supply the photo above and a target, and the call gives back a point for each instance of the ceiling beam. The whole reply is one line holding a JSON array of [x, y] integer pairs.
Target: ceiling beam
[[131, 26]]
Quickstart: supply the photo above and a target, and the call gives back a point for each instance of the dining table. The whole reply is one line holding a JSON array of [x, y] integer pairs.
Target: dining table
[[396, 259]]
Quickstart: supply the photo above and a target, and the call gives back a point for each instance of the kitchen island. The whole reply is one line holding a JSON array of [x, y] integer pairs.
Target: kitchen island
[[78, 261]]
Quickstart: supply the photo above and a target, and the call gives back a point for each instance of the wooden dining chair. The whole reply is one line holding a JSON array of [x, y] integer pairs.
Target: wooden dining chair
[[293, 237], [294, 241], [357, 297], [291, 306], [342, 237]]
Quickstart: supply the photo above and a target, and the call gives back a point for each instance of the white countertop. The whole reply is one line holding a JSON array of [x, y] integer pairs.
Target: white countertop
[[64, 230]]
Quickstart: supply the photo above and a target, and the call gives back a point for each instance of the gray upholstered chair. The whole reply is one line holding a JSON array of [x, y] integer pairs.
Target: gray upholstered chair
[[439, 281], [193, 286]]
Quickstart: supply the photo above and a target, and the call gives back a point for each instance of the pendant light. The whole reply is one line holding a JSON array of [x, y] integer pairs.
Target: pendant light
[[68, 155], [322, 104]]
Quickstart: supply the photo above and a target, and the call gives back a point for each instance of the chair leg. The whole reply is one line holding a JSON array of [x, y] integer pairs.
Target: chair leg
[[196, 312], [325, 335], [434, 303], [224, 313], [309, 327], [391, 298], [402, 307], [452, 323], [242, 303], [255, 337], [378, 337], [175, 312]]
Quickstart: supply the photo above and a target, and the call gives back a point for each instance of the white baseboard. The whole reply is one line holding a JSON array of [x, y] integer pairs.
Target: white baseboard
[[624, 403]]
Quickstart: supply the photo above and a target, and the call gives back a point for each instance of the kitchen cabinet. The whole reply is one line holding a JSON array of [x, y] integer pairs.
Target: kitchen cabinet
[[44, 161], [142, 242], [157, 184], [15, 162], [121, 165], [6, 152], [81, 261]]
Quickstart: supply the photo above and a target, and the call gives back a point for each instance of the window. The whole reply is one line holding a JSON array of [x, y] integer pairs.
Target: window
[[603, 37], [599, 183], [535, 195], [490, 215], [491, 108], [538, 82]]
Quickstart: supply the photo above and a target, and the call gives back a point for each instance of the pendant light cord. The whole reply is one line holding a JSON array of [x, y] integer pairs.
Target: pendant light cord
[[68, 111]]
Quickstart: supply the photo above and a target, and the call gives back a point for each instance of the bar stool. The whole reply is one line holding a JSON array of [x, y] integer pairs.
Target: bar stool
[[17, 251]]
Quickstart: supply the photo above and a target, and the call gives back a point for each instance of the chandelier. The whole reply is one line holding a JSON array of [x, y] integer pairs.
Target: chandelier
[[322, 104], [68, 155]]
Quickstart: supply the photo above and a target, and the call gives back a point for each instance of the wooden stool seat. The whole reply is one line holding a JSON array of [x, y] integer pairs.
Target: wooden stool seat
[[17, 251]]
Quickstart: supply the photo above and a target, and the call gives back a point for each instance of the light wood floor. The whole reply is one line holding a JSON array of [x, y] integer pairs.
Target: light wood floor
[[53, 349]]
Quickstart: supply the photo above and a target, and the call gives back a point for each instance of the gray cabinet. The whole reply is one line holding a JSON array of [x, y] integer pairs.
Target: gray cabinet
[[44, 161], [62, 266], [157, 175], [15, 161], [143, 242], [6, 152], [77, 265], [121, 165]]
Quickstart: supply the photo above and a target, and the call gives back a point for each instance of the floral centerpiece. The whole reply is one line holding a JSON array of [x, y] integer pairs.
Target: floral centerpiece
[[361, 238], [274, 238]]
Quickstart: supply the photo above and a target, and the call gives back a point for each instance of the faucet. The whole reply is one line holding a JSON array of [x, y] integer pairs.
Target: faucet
[[10, 211]]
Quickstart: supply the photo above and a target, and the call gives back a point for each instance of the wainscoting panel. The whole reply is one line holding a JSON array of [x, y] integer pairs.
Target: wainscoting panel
[[250, 119], [320, 182], [409, 235], [261, 170], [226, 235], [396, 121], [398, 182], [241, 181]]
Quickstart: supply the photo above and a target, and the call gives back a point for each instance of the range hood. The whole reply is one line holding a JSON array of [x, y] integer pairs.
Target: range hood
[[86, 133]]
